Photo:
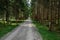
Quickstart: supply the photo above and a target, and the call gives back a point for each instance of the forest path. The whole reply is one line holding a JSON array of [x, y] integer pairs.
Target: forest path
[[26, 31]]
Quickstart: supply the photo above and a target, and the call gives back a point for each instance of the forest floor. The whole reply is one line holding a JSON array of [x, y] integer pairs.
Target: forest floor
[[46, 34], [26, 31]]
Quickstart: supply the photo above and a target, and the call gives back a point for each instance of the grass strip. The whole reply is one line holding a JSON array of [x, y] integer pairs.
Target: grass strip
[[47, 35], [4, 29]]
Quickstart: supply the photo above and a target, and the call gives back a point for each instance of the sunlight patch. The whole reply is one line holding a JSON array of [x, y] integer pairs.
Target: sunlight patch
[[30, 25]]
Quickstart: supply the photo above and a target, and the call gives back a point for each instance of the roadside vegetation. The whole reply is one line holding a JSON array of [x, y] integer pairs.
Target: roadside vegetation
[[47, 35], [12, 12], [46, 13], [5, 28]]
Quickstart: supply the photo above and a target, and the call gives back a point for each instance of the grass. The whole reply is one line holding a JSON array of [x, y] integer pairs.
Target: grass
[[47, 35], [4, 29]]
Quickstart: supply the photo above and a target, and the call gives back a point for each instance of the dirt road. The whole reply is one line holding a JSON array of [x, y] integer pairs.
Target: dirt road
[[26, 31]]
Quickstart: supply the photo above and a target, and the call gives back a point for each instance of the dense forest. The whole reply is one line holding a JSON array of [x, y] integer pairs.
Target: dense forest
[[47, 12], [13, 9], [43, 14], [11, 14]]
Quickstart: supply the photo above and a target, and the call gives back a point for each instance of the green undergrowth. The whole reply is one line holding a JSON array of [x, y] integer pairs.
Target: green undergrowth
[[5, 28], [46, 35]]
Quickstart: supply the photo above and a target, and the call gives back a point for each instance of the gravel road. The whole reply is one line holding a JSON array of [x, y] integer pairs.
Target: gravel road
[[26, 31]]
